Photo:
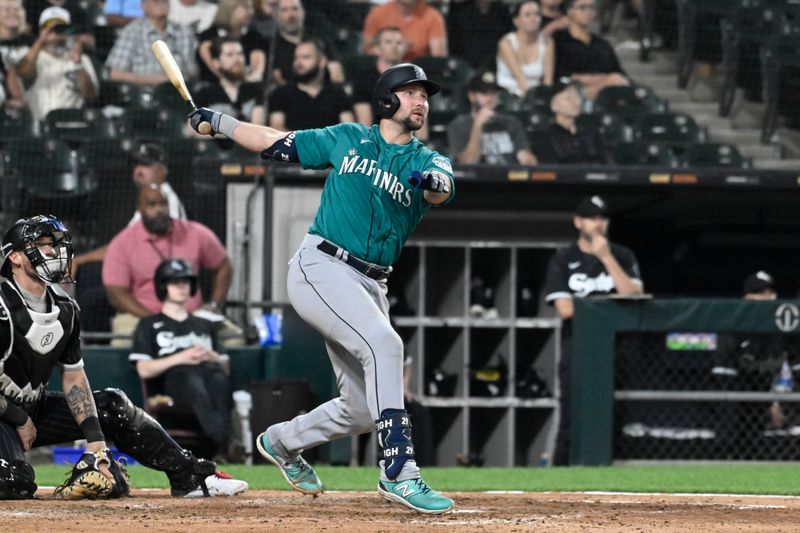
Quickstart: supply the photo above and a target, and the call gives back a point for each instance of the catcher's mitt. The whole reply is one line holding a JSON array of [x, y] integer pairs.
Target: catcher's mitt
[[87, 482]]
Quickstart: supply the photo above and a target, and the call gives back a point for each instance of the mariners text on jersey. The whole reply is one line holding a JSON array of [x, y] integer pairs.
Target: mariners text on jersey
[[355, 164]]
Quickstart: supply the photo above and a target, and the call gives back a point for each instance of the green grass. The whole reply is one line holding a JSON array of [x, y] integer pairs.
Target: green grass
[[739, 479]]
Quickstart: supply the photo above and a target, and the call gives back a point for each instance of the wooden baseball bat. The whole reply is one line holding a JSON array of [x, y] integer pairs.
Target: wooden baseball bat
[[170, 67]]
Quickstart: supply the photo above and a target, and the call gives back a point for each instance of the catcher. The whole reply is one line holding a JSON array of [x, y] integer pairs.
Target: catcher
[[39, 330]]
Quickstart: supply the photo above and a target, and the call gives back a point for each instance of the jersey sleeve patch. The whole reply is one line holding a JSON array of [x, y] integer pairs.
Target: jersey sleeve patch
[[443, 163]]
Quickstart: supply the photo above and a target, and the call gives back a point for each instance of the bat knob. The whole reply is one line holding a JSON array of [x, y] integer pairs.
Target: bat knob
[[204, 128]]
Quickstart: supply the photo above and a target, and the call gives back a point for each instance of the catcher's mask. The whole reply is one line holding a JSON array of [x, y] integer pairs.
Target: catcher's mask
[[384, 102], [173, 270], [52, 267]]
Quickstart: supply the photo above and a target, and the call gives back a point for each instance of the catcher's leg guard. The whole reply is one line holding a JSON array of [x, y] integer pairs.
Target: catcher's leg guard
[[16, 480], [394, 438], [142, 437]]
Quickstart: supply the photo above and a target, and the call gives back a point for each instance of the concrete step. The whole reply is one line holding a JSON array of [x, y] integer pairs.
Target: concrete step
[[777, 164], [758, 151], [695, 108], [734, 136]]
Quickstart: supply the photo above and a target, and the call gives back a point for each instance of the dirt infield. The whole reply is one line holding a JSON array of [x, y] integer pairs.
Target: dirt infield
[[148, 511]]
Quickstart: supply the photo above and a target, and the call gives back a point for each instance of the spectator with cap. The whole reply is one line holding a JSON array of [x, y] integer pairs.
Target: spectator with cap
[[483, 135], [81, 25], [130, 60], [61, 76], [591, 266], [562, 143], [583, 56], [525, 57], [149, 167], [422, 25], [136, 251]]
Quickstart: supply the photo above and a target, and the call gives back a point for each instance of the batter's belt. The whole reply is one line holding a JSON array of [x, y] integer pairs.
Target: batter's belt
[[376, 272]]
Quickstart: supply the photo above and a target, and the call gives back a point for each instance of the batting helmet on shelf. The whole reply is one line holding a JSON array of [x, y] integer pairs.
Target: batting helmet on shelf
[[171, 270], [22, 236], [384, 102]]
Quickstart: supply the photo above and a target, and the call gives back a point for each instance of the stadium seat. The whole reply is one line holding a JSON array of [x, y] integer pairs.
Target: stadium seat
[[153, 124], [356, 64], [713, 155], [165, 96], [438, 122], [78, 126], [700, 18], [643, 154], [16, 123], [628, 102], [675, 130], [613, 129], [538, 98], [780, 64], [122, 94], [452, 73]]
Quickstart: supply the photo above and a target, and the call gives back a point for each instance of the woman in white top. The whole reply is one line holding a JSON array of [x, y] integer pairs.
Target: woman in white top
[[525, 57]]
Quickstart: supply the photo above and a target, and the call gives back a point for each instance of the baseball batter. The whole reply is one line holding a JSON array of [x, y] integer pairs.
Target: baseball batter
[[381, 183]]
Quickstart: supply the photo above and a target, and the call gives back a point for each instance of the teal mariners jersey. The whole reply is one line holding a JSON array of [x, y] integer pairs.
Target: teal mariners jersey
[[368, 207]]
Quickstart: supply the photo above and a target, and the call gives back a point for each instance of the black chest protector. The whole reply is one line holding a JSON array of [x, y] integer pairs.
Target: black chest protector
[[32, 343]]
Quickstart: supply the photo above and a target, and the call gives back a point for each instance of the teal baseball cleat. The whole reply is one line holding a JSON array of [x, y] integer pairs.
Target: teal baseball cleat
[[298, 473], [416, 494]]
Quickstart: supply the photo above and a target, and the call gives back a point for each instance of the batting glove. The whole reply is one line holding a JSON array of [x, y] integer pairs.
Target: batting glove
[[204, 114], [430, 181]]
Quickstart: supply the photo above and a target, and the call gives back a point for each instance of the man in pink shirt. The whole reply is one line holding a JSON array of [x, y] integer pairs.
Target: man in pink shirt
[[135, 252], [423, 27]]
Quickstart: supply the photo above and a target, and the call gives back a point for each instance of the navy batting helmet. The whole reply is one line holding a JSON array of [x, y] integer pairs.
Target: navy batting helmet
[[171, 270], [384, 102], [22, 236]]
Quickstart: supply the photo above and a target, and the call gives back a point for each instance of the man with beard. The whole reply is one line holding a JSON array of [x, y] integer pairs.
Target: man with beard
[[591, 266], [309, 101], [294, 25], [382, 181], [63, 76], [230, 92], [135, 252]]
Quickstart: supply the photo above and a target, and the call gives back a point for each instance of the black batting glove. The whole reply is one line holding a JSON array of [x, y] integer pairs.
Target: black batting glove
[[430, 181], [204, 114]]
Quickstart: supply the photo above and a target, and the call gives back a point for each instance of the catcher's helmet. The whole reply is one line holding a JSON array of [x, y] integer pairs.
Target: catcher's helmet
[[22, 237], [171, 270], [384, 102]]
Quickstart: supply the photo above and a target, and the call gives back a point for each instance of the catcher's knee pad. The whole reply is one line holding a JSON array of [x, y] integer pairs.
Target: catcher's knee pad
[[394, 438], [16, 480]]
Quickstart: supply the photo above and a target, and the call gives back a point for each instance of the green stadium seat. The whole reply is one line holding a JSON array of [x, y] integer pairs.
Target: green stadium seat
[[16, 123], [452, 73], [628, 102], [78, 126], [714, 155], [644, 154], [152, 124], [122, 94], [165, 96], [438, 122], [613, 129], [675, 130], [538, 98]]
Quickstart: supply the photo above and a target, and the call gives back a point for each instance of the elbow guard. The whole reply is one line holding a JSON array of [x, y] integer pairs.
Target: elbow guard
[[284, 150]]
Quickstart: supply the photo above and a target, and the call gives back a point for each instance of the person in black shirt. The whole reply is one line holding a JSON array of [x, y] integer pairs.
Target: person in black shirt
[[390, 47], [229, 91], [583, 56], [177, 354], [310, 101], [562, 143], [233, 20], [591, 266], [474, 27], [295, 25]]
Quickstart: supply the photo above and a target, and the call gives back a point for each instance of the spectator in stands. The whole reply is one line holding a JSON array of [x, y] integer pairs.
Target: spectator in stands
[[390, 48], [293, 27], [63, 76], [583, 56], [82, 26], [135, 252], [233, 21], [310, 101], [563, 143], [15, 39], [122, 12], [591, 266], [178, 354], [473, 29], [149, 169], [553, 19], [11, 91], [525, 57], [130, 59], [484, 135], [422, 25], [230, 92], [197, 15], [264, 18]]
